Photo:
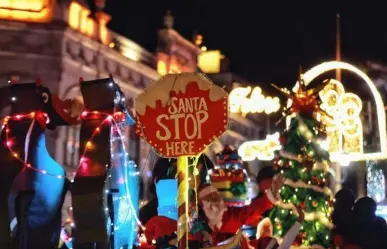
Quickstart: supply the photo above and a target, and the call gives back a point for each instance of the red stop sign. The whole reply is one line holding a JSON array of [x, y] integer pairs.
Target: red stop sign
[[181, 114]]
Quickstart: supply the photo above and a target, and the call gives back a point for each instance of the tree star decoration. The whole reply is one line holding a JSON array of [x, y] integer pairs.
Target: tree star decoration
[[304, 101]]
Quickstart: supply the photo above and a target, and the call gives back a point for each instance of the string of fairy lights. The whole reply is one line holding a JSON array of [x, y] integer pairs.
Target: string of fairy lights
[[114, 119]]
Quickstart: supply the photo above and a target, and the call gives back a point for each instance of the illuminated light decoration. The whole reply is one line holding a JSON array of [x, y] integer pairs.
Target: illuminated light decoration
[[131, 54], [344, 126], [127, 48], [209, 61], [376, 184], [162, 67], [40, 11], [256, 103], [125, 205], [358, 156], [79, 19], [260, 149], [311, 216], [172, 64]]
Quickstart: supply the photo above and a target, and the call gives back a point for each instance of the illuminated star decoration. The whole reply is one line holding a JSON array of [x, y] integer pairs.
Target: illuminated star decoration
[[304, 101]]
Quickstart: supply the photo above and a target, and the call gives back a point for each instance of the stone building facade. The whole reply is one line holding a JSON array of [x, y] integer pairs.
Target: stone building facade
[[59, 42]]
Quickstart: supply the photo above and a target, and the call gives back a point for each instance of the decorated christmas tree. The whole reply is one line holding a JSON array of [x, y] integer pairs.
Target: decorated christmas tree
[[304, 163]]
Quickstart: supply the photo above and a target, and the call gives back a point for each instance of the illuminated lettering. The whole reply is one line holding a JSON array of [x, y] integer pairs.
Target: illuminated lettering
[[239, 102], [260, 149]]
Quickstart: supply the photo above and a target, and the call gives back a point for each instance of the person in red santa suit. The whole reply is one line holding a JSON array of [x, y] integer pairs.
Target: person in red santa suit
[[160, 231], [223, 222]]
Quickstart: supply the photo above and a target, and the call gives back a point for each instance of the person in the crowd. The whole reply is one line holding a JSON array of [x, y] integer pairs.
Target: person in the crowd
[[265, 239], [264, 180], [160, 231], [166, 168], [369, 233], [342, 217], [223, 222]]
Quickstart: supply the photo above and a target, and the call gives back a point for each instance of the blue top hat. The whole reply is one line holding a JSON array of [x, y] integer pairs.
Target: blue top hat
[[166, 190]]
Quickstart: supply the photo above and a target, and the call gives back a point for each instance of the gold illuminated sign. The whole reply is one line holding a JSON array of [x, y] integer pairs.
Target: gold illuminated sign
[[80, 20], [40, 11], [344, 129], [241, 102], [344, 126], [260, 149], [209, 61]]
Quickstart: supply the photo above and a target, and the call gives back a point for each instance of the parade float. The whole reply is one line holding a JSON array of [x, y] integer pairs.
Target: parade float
[[173, 115], [104, 188], [230, 177]]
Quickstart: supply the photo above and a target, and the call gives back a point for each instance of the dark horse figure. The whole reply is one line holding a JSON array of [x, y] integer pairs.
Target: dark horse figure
[[28, 170], [94, 223]]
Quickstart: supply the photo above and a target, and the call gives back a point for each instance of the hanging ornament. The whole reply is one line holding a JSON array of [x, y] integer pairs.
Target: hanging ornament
[[302, 204], [298, 241], [288, 164], [283, 139], [278, 225], [308, 163], [314, 203], [322, 135]]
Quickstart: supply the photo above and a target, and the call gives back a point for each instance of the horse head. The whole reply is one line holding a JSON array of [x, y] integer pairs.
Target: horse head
[[58, 111], [33, 109]]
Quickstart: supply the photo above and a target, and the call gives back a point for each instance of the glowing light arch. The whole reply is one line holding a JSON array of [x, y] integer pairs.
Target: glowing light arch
[[333, 65]]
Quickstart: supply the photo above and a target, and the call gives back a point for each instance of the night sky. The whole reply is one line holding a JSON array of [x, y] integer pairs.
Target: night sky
[[266, 42]]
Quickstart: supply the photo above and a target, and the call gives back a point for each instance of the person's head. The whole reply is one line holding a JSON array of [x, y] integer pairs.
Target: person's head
[[344, 200], [165, 168], [265, 178], [264, 228], [364, 209], [212, 204]]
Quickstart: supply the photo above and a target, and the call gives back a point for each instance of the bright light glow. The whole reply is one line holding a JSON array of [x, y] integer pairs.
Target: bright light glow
[[344, 160], [260, 149], [28, 10], [239, 101], [209, 61], [131, 54], [352, 106], [162, 67], [345, 128], [79, 20]]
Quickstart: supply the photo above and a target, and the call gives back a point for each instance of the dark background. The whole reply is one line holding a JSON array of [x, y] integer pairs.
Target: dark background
[[266, 41]]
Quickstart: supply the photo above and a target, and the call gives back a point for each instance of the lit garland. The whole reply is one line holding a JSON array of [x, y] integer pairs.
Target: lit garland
[[115, 119], [9, 142]]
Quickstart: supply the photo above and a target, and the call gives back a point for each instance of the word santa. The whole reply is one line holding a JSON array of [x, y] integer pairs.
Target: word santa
[[182, 125]]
